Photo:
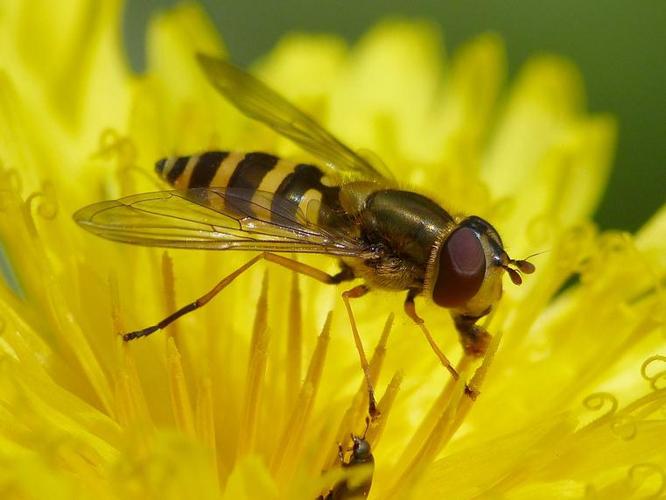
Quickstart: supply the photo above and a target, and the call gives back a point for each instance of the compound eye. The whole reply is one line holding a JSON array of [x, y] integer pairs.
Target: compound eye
[[462, 267]]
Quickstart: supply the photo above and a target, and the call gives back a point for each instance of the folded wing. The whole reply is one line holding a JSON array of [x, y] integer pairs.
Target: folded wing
[[214, 219]]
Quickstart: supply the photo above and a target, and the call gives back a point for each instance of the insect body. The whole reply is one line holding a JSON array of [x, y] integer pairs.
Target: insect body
[[361, 457], [390, 238]]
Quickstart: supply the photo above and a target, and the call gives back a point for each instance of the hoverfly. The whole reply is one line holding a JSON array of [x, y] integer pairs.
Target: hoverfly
[[346, 208], [360, 456]]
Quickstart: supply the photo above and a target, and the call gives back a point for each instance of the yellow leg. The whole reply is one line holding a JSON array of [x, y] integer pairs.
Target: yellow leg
[[271, 257], [360, 291], [410, 309]]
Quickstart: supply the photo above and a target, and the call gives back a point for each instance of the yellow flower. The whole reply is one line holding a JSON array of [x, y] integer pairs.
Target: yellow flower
[[248, 397]]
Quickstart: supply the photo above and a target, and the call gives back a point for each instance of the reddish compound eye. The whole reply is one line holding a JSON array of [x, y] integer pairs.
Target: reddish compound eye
[[462, 267]]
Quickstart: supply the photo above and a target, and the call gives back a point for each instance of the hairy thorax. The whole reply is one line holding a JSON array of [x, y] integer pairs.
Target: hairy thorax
[[401, 229]]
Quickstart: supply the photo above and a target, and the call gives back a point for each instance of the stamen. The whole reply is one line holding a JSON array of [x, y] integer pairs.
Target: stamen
[[647, 474], [599, 400], [169, 281], [294, 342], [384, 406], [180, 397], [656, 377], [46, 206], [12, 180], [379, 353], [624, 426], [205, 419], [112, 143], [256, 372], [441, 433], [285, 456]]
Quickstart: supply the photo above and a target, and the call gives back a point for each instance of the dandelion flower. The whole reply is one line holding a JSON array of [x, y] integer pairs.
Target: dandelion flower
[[250, 396]]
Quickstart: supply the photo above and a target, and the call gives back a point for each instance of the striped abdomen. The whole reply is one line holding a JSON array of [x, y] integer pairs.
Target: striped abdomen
[[298, 182]]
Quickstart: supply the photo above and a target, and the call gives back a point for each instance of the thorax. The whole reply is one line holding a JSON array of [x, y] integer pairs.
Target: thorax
[[404, 226]]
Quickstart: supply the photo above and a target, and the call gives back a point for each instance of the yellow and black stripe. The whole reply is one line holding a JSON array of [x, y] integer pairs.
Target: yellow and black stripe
[[250, 173]]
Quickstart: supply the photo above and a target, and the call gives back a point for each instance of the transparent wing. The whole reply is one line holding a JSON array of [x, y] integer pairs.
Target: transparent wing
[[214, 219], [259, 102]]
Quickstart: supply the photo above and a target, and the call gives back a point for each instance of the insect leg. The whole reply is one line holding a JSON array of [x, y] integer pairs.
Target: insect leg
[[474, 338], [192, 306], [410, 309], [330, 279], [356, 292], [271, 257]]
